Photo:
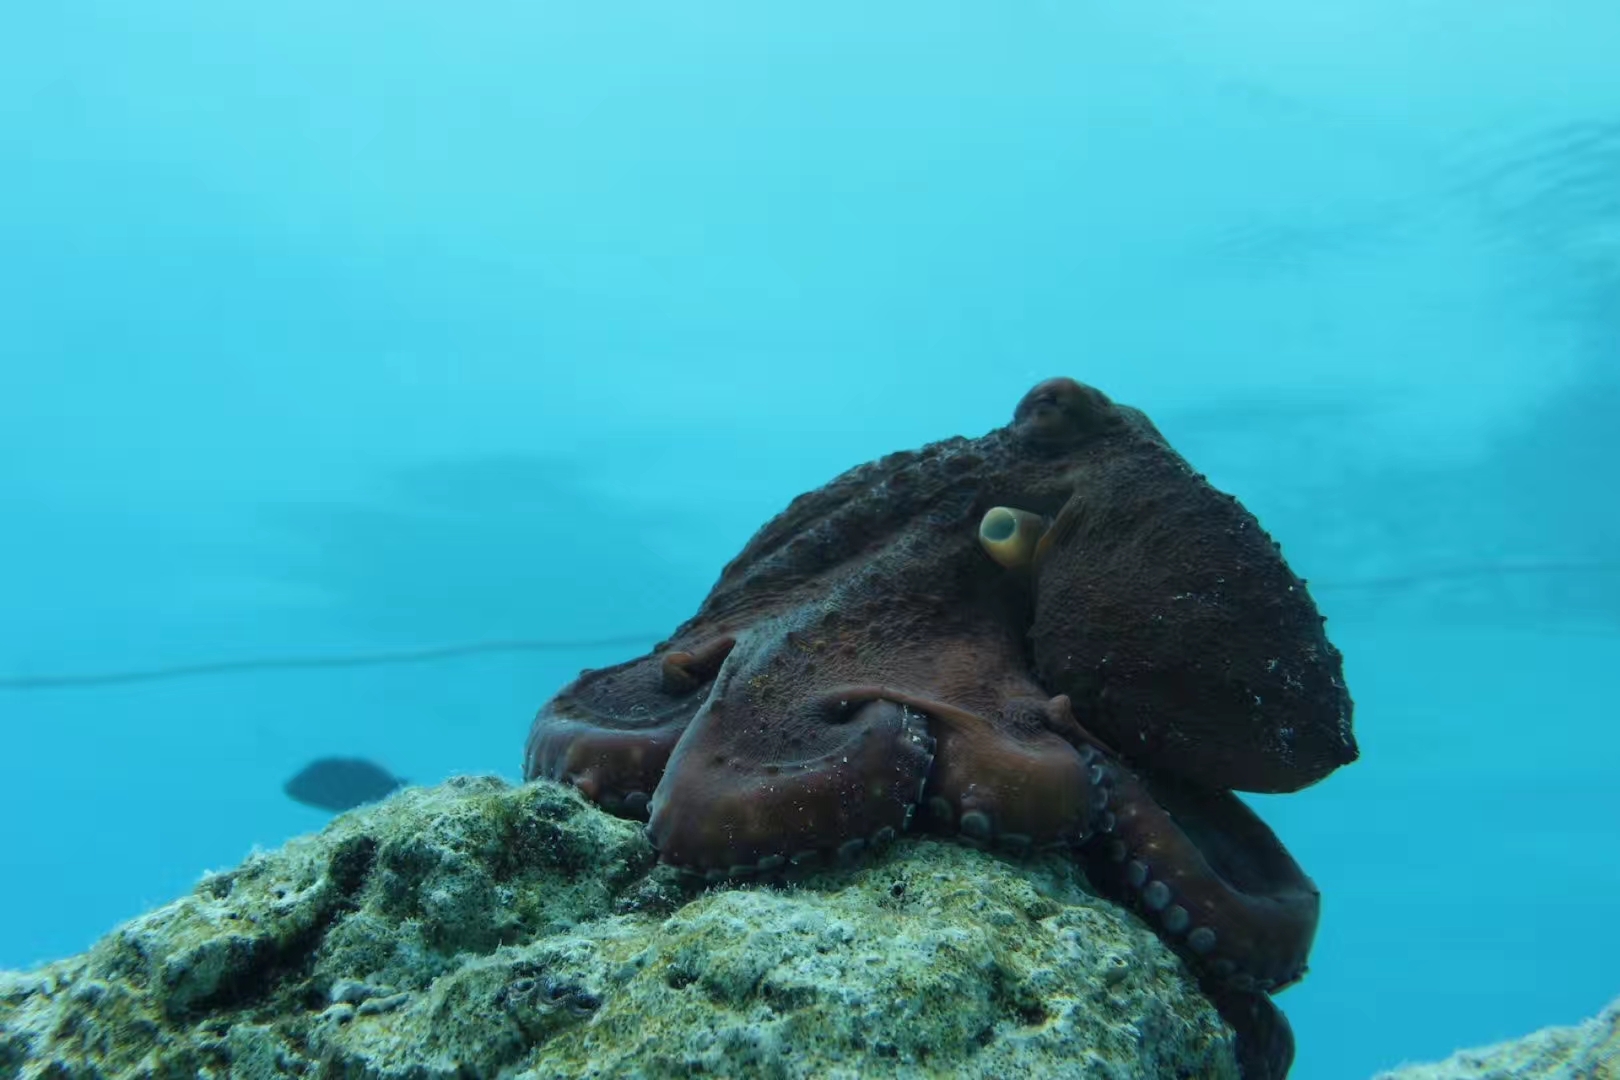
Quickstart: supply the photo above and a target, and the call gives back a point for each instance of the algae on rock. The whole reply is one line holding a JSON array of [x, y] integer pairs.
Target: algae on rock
[[480, 929], [1587, 1051]]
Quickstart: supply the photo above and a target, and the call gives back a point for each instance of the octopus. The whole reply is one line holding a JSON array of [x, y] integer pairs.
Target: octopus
[[1057, 636]]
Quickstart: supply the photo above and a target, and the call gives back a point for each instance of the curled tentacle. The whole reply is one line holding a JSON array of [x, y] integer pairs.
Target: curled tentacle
[[851, 781], [610, 732], [1217, 883]]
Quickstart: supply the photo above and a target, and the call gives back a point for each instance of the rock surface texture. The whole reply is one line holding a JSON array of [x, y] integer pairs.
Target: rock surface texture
[[1589, 1051], [482, 930]]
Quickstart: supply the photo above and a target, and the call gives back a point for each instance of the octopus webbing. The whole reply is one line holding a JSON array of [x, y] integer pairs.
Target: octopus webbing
[[1057, 635]]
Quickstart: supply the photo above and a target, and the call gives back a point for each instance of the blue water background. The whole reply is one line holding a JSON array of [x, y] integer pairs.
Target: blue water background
[[327, 329]]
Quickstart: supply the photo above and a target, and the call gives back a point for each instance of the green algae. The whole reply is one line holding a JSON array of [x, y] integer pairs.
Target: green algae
[[1586, 1051], [478, 929]]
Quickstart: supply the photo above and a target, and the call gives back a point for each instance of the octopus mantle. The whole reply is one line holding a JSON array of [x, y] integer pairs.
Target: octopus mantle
[[1057, 635]]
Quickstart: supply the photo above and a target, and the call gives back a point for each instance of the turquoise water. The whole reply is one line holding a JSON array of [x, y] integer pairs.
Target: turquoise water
[[329, 334]]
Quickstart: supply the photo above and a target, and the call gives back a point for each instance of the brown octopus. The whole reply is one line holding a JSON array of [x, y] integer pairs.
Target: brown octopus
[[1057, 635]]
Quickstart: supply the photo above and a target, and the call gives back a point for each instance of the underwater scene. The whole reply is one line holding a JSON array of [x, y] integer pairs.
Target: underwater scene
[[837, 540]]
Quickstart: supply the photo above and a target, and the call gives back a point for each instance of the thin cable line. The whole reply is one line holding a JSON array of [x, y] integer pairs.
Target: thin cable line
[[306, 663], [443, 653], [1463, 573]]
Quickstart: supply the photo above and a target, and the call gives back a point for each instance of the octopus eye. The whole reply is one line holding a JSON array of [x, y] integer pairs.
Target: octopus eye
[[1011, 536], [1062, 410]]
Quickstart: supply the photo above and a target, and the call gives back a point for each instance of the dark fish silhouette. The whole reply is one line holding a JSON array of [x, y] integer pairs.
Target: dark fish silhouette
[[340, 784]]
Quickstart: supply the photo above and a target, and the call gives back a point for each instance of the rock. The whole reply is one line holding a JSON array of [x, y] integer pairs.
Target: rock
[[1589, 1051], [479, 929]]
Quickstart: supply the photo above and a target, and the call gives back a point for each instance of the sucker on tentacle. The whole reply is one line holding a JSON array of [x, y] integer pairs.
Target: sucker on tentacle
[[1247, 927], [1246, 934]]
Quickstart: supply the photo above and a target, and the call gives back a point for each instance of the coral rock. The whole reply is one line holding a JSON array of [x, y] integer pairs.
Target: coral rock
[[479, 929], [1588, 1051]]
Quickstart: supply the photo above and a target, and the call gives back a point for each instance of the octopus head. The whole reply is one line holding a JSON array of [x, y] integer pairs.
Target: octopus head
[[1163, 609]]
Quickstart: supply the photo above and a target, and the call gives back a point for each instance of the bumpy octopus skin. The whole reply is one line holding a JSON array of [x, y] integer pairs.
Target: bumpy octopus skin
[[1057, 635]]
